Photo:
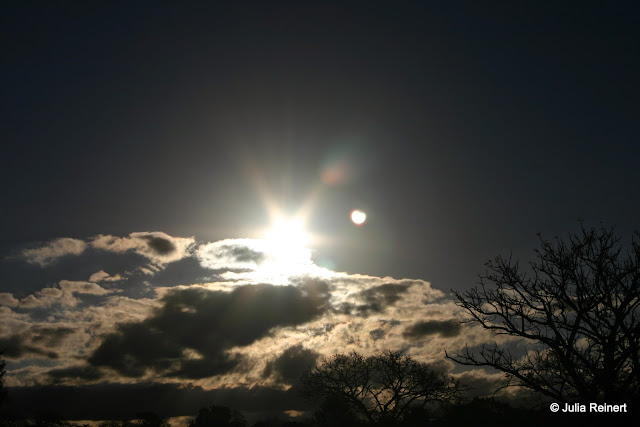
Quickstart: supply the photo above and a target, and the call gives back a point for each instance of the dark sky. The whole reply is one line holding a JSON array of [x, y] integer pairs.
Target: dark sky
[[468, 127], [461, 128]]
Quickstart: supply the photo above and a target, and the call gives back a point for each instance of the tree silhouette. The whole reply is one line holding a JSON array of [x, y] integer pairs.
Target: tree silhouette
[[335, 411], [218, 416], [384, 388], [577, 307]]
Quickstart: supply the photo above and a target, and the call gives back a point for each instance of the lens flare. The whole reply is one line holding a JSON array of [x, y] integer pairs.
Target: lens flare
[[358, 217]]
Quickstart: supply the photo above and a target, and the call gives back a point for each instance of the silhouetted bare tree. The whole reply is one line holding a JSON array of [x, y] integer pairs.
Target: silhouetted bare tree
[[386, 387], [577, 307]]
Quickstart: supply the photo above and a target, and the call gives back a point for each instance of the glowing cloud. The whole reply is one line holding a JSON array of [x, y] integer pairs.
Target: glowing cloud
[[53, 250]]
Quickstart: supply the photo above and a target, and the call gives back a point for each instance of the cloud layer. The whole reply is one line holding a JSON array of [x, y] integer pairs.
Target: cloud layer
[[206, 315], [190, 336]]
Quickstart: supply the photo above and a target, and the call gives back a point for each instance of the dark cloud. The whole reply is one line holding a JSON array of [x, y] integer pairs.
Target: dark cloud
[[243, 254], [183, 272], [16, 346], [446, 328], [289, 366], [312, 286], [35, 341], [123, 401], [189, 336], [159, 245], [230, 254], [49, 336], [376, 299], [85, 372], [379, 297]]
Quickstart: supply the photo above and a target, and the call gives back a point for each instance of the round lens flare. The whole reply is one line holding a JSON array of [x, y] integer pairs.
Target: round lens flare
[[358, 217]]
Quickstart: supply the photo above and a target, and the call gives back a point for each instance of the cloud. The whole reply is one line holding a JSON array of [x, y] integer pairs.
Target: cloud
[[78, 372], [190, 335], [379, 297], [16, 346], [177, 311], [445, 328], [103, 276], [375, 299], [53, 250], [291, 364], [157, 246], [34, 341], [50, 336], [147, 271], [80, 287], [47, 297], [231, 254], [183, 272], [8, 300]]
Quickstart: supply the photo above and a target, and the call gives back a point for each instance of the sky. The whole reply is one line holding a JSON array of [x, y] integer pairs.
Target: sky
[[150, 150]]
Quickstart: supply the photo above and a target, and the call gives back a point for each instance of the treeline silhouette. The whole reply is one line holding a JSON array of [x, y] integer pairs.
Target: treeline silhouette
[[481, 411], [386, 389]]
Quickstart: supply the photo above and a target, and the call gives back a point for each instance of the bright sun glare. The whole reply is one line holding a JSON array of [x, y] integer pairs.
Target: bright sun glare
[[287, 254], [287, 234]]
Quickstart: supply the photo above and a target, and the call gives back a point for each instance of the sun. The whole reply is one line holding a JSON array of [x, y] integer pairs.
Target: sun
[[287, 234], [287, 255]]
